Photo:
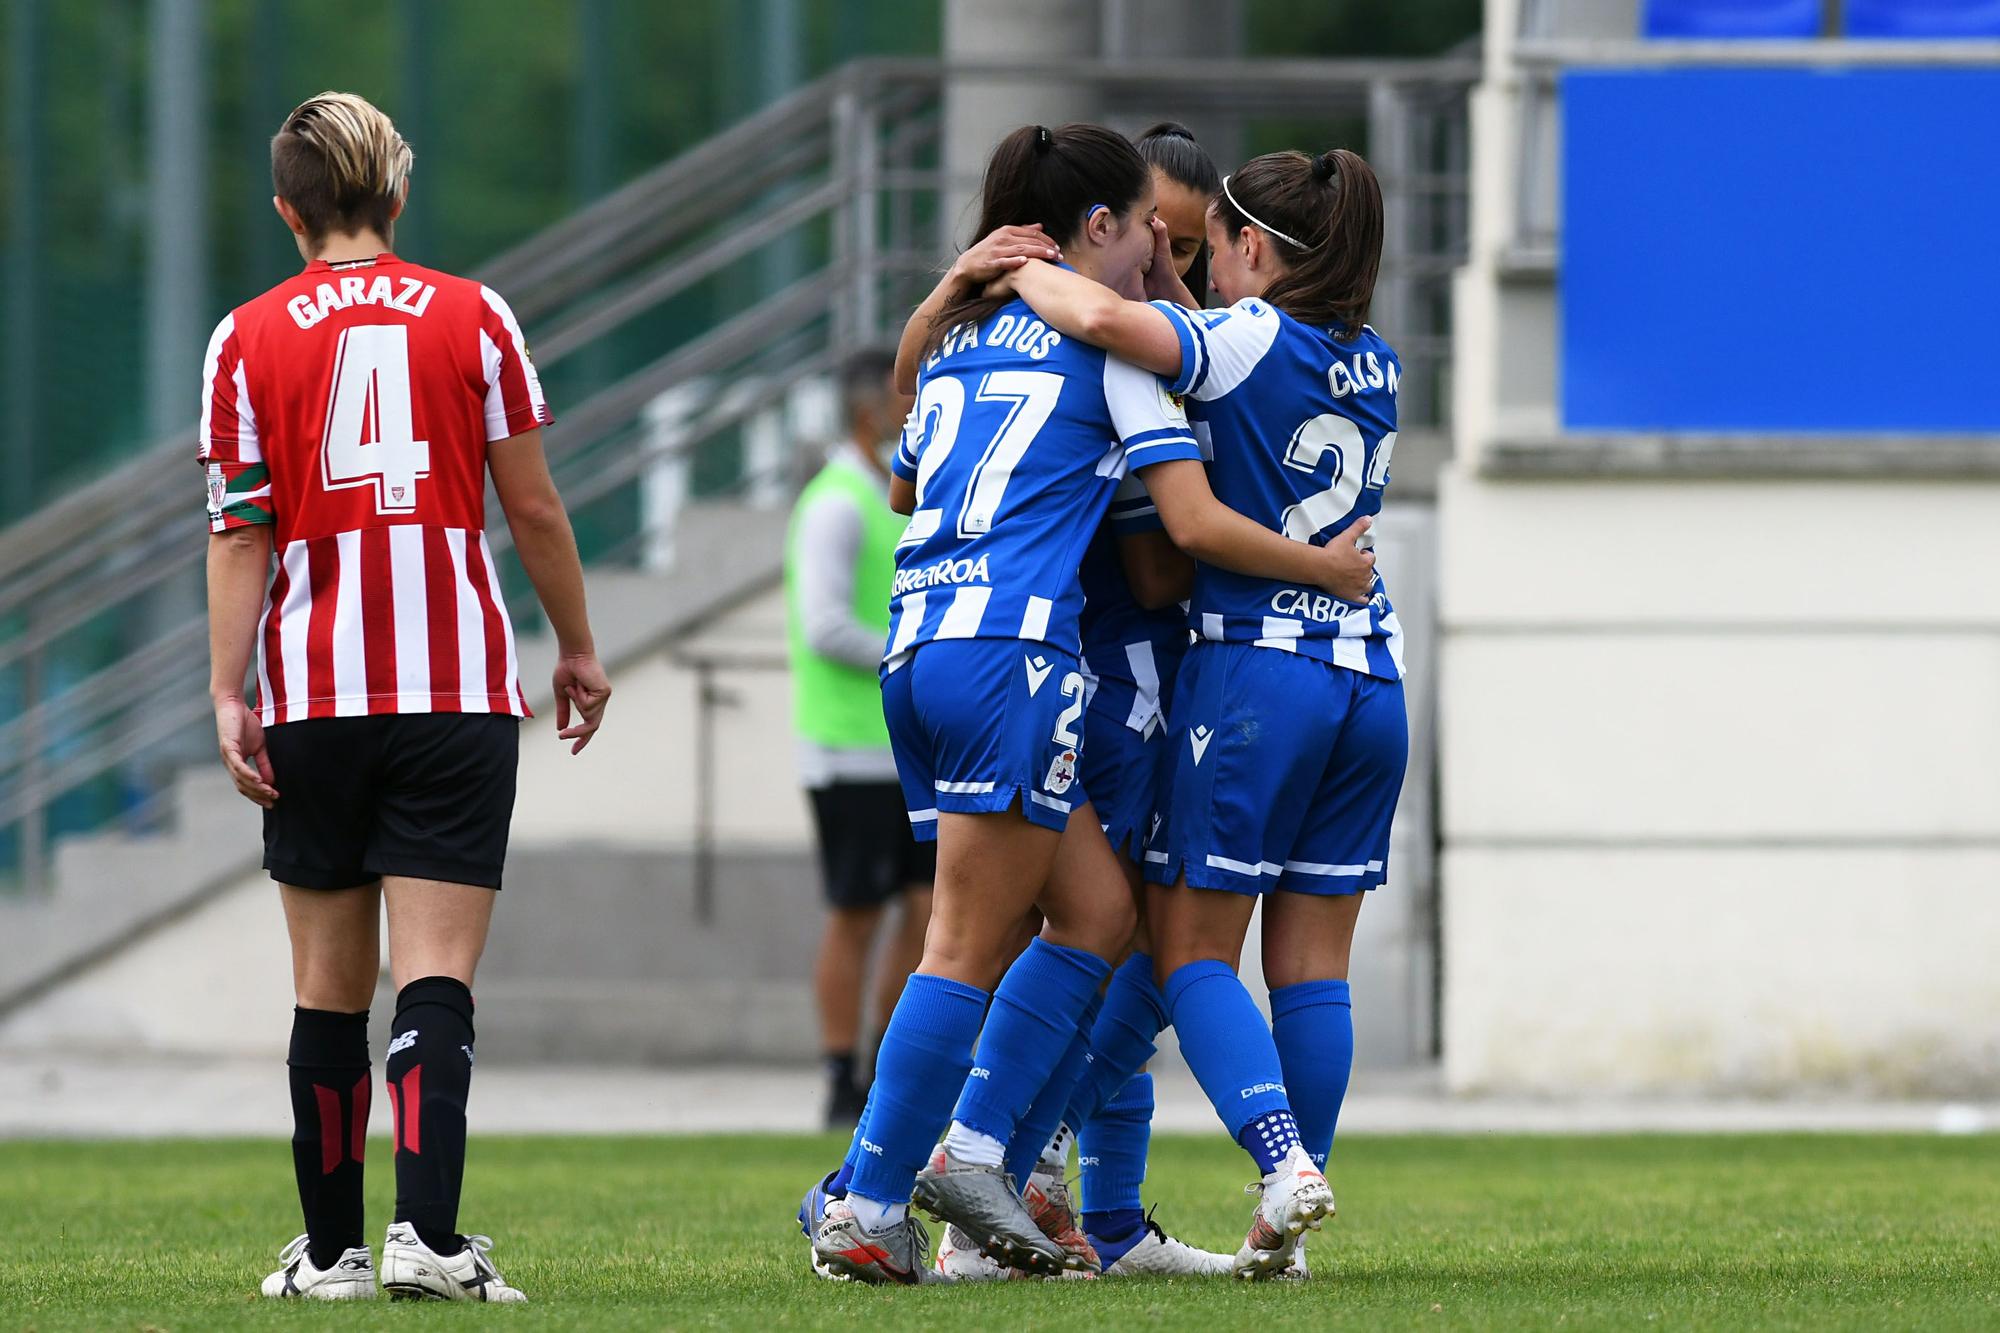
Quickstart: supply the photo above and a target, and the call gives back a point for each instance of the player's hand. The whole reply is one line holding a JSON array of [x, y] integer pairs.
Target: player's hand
[[1161, 280], [1006, 248], [240, 736], [1350, 559], [580, 683]]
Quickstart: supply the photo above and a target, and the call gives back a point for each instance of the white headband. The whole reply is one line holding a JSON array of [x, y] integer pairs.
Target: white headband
[[1265, 225]]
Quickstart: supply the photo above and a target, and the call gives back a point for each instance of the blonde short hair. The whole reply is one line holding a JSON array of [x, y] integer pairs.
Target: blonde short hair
[[339, 161]]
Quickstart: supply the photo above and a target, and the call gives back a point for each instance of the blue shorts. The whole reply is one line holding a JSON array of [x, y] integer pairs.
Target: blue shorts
[[980, 724], [1122, 770], [1283, 774]]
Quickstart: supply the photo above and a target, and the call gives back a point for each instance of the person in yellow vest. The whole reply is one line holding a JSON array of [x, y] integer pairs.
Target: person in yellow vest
[[840, 558]]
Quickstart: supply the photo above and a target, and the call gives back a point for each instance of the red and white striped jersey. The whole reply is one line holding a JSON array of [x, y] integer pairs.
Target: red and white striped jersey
[[351, 407]]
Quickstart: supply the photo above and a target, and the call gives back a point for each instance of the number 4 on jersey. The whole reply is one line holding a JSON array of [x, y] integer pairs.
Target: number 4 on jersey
[[370, 438]]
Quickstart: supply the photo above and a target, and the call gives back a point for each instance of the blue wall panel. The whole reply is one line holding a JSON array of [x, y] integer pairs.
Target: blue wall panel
[[1781, 250]]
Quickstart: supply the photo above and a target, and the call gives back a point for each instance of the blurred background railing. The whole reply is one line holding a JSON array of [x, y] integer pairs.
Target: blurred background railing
[[829, 209]]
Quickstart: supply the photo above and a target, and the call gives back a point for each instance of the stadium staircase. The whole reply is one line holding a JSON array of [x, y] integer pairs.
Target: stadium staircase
[[678, 441]]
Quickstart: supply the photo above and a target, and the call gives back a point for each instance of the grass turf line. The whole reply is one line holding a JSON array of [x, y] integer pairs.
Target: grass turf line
[[1805, 1232]]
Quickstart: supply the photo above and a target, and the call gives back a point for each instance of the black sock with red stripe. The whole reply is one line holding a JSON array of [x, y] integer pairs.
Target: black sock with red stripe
[[329, 1075], [429, 1071]]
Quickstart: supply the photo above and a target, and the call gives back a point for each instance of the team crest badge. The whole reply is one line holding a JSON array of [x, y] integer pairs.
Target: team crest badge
[[218, 486], [1062, 773]]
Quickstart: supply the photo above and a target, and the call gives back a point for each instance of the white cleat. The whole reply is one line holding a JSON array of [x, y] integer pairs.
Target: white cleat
[[1156, 1254], [1296, 1199], [412, 1271], [960, 1259], [1298, 1272], [352, 1277]]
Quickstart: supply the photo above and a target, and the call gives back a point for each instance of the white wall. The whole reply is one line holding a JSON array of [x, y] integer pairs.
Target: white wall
[[636, 784], [1720, 803]]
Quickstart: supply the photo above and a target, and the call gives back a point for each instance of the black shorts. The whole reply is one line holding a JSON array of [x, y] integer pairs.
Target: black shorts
[[424, 795], [866, 852]]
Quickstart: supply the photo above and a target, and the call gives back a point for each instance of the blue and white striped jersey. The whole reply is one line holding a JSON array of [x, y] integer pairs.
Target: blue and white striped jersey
[[1300, 429], [1130, 654], [1017, 441]]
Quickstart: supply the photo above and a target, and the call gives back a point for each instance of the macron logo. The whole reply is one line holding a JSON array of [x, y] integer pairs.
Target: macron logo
[[404, 1042], [1256, 1088], [1199, 739], [1038, 671], [868, 1147]]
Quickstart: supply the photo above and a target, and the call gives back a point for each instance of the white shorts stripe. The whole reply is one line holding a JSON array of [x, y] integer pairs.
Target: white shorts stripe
[[1157, 858], [961, 619], [1211, 626], [924, 816], [1049, 801], [1035, 620], [1319, 868], [963, 788], [1244, 867]]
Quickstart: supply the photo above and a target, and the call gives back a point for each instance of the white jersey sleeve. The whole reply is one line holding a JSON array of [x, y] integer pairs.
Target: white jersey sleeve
[[1219, 348], [1147, 417]]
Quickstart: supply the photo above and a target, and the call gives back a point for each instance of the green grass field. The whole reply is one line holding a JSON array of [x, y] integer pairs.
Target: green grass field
[[1767, 1232]]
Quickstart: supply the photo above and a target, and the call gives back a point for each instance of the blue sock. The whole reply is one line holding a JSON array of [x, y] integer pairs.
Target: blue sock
[[1121, 1042], [1032, 1134], [1269, 1138], [1111, 1152], [1226, 1042], [925, 1054], [1313, 1026], [1027, 1032], [837, 1185]]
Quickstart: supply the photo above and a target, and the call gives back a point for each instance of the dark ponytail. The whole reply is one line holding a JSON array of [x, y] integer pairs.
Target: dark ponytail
[[1171, 148], [1329, 209], [1050, 176]]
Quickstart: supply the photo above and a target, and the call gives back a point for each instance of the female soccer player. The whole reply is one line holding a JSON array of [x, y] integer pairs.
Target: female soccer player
[[349, 417], [1134, 634], [1017, 440], [1289, 729]]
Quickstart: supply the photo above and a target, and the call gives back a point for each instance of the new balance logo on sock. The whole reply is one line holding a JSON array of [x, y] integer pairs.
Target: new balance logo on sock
[[404, 1042], [1256, 1088], [868, 1147], [1199, 739], [977, 1072]]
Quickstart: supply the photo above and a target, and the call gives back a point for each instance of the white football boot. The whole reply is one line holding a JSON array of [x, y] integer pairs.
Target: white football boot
[[412, 1271], [1156, 1254], [1296, 1199], [352, 1277], [960, 1259], [1298, 1272]]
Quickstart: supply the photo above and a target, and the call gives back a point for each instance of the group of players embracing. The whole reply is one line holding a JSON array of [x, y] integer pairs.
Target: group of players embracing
[[1141, 673]]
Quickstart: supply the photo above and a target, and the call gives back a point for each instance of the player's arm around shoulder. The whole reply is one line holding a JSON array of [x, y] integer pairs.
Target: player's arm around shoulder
[[547, 547]]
